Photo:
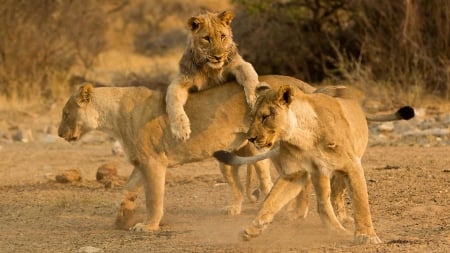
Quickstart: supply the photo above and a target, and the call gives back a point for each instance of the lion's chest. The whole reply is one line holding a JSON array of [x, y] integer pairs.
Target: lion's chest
[[209, 78]]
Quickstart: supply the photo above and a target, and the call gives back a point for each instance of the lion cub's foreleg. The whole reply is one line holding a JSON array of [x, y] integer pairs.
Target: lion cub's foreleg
[[176, 97], [247, 77]]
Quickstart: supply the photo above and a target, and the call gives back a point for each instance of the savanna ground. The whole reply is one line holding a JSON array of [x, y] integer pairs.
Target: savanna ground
[[408, 188]]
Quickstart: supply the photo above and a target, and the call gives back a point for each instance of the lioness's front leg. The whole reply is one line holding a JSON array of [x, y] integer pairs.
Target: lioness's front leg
[[176, 97], [154, 185], [284, 190]]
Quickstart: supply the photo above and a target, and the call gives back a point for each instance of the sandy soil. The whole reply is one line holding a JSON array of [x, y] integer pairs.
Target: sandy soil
[[408, 191]]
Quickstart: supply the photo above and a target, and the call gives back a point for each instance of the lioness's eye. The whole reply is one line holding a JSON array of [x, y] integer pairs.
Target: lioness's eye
[[206, 38], [223, 36], [264, 118]]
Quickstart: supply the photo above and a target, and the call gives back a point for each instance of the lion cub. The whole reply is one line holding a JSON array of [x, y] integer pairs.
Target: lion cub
[[211, 58]]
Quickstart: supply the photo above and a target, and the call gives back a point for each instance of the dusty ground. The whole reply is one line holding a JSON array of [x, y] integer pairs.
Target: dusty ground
[[408, 190]]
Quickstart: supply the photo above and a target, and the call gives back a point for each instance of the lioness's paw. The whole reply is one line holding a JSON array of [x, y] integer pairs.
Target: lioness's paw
[[233, 210], [181, 127], [252, 231], [141, 227], [366, 239]]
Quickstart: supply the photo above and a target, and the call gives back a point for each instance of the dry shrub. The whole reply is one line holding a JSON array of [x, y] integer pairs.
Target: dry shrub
[[405, 43], [41, 40]]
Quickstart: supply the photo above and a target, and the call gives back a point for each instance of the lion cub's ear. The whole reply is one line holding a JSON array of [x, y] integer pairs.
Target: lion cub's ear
[[85, 94], [226, 17], [194, 23], [285, 95]]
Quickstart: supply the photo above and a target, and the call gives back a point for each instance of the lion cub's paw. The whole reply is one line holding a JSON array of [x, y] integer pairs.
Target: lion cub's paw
[[366, 239], [181, 127], [141, 227], [232, 210]]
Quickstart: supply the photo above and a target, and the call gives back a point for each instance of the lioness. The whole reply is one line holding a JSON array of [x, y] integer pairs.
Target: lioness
[[317, 136], [211, 57], [136, 117]]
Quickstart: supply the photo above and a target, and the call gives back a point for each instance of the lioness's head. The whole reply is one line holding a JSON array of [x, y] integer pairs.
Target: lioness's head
[[211, 38], [271, 116], [78, 116]]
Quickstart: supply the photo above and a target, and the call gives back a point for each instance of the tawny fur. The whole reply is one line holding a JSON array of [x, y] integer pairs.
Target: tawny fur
[[320, 137], [211, 58]]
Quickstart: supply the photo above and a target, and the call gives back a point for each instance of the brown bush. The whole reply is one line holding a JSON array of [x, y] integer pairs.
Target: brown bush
[[41, 40], [403, 42]]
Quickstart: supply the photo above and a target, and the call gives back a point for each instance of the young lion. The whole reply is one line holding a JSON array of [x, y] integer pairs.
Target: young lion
[[317, 136], [211, 58]]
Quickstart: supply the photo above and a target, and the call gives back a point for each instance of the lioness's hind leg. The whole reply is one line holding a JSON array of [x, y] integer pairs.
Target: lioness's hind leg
[[262, 169], [154, 186], [364, 232], [323, 190], [176, 97], [298, 208], [126, 214], [231, 176], [338, 185], [252, 193]]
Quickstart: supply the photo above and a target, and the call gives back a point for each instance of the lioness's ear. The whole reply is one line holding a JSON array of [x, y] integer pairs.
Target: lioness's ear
[[85, 94], [285, 95], [226, 17], [194, 23], [261, 88]]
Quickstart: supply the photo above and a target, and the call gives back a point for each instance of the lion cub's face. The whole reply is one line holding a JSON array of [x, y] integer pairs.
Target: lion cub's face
[[211, 36], [78, 116], [270, 117]]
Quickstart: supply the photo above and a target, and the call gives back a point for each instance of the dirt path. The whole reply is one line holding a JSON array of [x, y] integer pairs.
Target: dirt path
[[408, 190]]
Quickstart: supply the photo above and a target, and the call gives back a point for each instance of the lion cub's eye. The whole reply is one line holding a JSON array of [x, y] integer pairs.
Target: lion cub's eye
[[264, 118], [223, 36], [206, 38]]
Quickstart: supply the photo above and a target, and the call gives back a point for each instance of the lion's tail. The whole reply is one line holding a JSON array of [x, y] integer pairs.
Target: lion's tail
[[405, 113], [235, 160]]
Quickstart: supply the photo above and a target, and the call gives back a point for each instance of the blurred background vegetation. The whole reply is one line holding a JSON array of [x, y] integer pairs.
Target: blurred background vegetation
[[49, 46]]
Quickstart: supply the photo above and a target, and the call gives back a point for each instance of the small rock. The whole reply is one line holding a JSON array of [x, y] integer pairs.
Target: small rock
[[107, 174], [386, 127], [106, 171], [69, 176], [90, 249]]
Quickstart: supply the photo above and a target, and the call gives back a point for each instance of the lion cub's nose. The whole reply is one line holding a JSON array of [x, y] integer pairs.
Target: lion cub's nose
[[218, 57]]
